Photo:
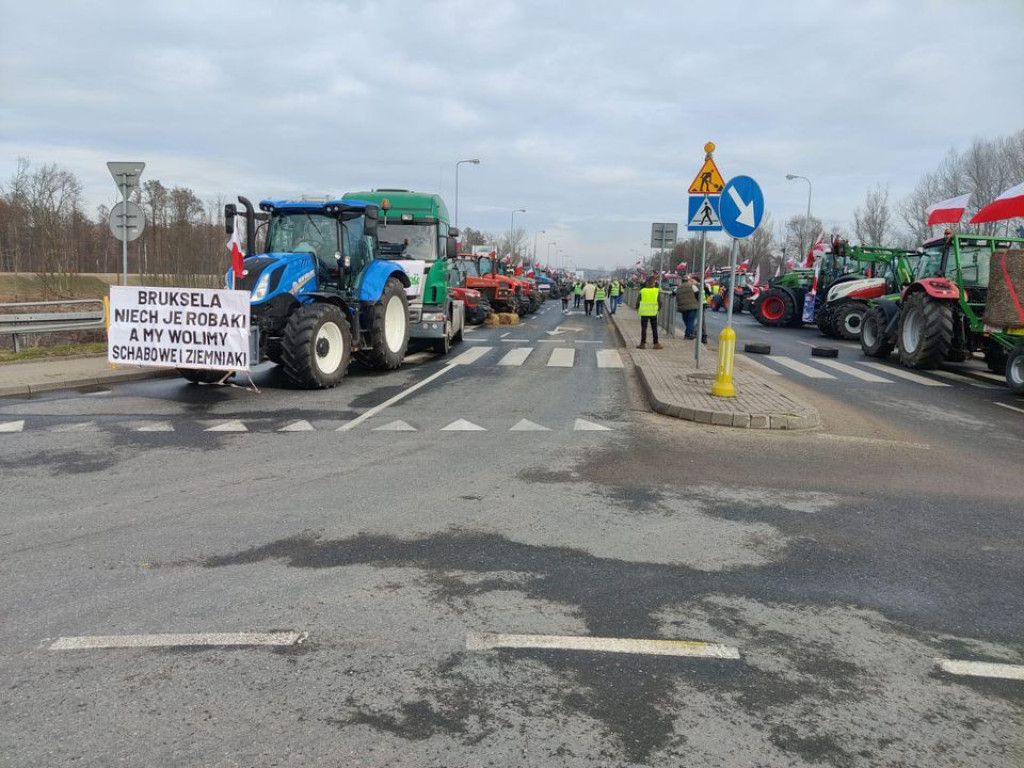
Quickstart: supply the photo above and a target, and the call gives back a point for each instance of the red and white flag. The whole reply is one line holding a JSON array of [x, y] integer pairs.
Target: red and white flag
[[948, 211], [815, 251], [235, 246], [1008, 205]]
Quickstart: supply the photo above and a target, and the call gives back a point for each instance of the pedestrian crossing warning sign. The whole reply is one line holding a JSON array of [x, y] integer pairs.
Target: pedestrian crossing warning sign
[[703, 214], [708, 180]]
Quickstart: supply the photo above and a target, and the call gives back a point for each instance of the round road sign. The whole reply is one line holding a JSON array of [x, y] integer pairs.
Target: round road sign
[[136, 220]]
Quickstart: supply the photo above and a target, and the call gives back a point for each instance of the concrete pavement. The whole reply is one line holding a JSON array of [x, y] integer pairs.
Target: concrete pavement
[[25, 379]]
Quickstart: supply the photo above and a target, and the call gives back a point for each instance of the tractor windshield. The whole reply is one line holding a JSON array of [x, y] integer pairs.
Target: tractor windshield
[[930, 263], [486, 265], [468, 268], [408, 241], [973, 263], [298, 231]]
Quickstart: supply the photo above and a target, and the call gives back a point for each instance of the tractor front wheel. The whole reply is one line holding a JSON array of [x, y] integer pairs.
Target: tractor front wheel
[[389, 328], [926, 331], [873, 340], [1015, 371], [848, 320], [316, 347], [775, 307]]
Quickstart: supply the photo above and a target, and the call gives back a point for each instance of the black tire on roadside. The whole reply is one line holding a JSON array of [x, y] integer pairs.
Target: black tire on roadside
[[848, 319], [925, 335], [873, 341], [825, 320], [824, 352], [758, 349], [316, 347]]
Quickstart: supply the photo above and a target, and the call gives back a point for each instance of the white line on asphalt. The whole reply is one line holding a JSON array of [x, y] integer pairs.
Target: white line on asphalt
[[806, 370], [85, 426], [982, 669], [396, 426], [470, 356], [484, 641], [855, 372], [582, 425], [157, 426], [12, 426], [418, 357], [525, 425], [228, 426], [461, 425], [873, 441], [1001, 405], [298, 426], [554, 341], [961, 379], [757, 366], [507, 333], [609, 358], [582, 341], [516, 356], [178, 640], [406, 392], [514, 341], [900, 373], [562, 357], [476, 341]]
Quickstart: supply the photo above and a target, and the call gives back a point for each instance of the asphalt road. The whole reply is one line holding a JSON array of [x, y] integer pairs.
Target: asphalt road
[[840, 564]]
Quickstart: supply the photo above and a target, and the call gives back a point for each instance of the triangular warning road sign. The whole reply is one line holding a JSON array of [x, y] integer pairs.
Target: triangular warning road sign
[[708, 180], [706, 215]]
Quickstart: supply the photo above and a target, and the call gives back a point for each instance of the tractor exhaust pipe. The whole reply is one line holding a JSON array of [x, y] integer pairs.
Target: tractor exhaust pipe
[[250, 226]]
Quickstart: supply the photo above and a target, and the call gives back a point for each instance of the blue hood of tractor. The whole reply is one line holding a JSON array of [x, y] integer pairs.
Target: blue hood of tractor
[[293, 273]]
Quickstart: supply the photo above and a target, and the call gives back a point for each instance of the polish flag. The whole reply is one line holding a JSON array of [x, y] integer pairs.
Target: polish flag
[[1008, 205], [948, 211], [816, 251], [235, 246]]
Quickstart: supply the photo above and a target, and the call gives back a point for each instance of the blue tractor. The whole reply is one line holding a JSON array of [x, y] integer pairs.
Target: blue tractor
[[320, 294]]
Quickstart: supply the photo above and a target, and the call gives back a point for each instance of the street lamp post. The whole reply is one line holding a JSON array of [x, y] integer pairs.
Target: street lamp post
[[512, 231], [474, 161], [790, 177]]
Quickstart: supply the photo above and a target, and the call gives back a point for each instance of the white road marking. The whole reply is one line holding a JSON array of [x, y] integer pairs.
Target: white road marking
[[477, 351], [582, 425], [1001, 405], [516, 356], [157, 426], [525, 425], [12, 426], [476, 341], [466, 358], [553, 341], [85, 426], [98, 394], [855, 372], [418, 357], [563, 357], [901, 373], [873, 441], [757, 366], [960, 378], [485, 641], [581, 341], [229, 426], [514, 341], [396, 426], [507, 333], [982, 669], [609, 358], [298, 426], [461, 425], [990, 376], [197, 640], [806, 370]]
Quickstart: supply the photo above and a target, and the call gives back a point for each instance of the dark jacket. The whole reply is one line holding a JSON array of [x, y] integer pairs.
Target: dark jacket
[[686, 297]]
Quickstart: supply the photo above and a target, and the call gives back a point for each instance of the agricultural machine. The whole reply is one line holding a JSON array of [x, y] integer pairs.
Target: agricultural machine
[[503, 293], [782, 303]]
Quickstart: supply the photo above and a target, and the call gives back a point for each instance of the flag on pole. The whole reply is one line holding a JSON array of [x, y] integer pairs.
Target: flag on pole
[[1008, 205], [948, 211], [816, 251], [235, 246]]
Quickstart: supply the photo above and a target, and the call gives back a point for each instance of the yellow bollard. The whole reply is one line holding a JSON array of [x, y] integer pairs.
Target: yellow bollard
[[726, 352], [106, 324]]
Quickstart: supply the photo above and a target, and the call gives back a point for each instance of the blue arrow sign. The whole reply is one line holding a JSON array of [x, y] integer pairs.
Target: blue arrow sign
[[742, 207], [702, 214]]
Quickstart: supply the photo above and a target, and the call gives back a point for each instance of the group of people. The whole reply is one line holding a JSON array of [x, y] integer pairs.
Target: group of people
[[593, 296], [689, 302]]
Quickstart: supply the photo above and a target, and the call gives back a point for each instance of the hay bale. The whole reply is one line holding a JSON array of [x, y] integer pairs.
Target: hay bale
[[493, 319], [1002, 309], [508, 318]]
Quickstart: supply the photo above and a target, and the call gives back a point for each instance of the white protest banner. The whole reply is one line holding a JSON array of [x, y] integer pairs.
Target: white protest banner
[[416, 269], [179, 328]]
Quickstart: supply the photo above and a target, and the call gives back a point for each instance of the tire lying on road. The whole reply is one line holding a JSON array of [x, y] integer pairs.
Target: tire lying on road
[[824, 352], [758, 349]]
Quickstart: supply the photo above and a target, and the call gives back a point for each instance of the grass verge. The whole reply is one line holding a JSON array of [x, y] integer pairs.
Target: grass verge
[[60, 350]]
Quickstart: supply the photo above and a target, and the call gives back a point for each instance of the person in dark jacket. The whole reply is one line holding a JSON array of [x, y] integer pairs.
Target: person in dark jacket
[[688, 304]]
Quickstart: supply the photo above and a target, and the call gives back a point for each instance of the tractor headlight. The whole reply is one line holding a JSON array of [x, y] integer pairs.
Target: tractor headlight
[[260, 291]]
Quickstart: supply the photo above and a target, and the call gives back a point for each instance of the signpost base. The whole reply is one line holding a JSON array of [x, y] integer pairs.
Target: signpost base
[[726, 353]]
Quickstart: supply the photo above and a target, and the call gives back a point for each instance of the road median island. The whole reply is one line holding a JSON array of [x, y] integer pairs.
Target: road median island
[[675, 387]]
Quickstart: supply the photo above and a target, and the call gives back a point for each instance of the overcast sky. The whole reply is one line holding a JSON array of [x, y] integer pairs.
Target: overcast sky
[[591, 115]]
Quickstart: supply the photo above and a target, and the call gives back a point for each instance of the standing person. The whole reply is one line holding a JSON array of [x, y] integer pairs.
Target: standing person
[[647, 306], [577, 292], [614, 293], [589, 292], [599, 297], [565, 300], [688, 303]]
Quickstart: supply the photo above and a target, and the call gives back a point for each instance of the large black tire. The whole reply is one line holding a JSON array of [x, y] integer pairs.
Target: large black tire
[[824, 318], [799, 296], [873, 340], [201, 375], [316, 347], [1015, 371], [775, 308], [848, 319], [443, 345], [996, 356], [389, 328], [926, 331]]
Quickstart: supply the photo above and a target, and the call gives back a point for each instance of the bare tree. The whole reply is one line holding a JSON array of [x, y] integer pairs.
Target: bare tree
[[873, 223]]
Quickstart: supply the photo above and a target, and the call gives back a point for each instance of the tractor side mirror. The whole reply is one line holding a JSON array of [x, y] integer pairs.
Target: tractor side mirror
[[230, 211], [451, 248], [453, 232], [371, 220]]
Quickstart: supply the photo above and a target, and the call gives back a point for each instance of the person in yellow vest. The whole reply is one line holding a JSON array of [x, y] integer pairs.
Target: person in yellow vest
[[615, 296], [577, 294], [647, 306], [599, 297]]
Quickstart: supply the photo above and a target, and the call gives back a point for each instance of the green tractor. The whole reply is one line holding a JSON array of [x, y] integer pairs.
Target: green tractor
[[782, 304], [945, 313], [879, 325]]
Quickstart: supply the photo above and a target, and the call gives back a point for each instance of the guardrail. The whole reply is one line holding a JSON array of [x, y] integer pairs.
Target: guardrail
[[666, 313], [22, 324]]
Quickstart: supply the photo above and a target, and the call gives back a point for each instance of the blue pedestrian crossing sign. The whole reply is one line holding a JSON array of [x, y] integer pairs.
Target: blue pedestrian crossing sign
[[742, 207], [702, 215]]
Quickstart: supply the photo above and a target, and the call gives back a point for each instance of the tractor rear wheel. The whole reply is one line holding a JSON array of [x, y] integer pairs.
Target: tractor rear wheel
[[926, 331], [996, 356], [826, 322], [316, 347], [873, 340], [389, 328], [1015, 371], [775, 307], [848, 320]]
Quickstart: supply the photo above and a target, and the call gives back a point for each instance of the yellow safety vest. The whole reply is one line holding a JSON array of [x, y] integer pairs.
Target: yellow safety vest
[[649, 302]]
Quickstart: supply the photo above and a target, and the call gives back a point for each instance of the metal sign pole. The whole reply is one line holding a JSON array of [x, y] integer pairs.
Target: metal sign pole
[[124, 229], [732, 281], [700, 298]]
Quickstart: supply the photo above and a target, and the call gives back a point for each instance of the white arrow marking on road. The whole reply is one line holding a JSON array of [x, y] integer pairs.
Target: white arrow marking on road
[[463, 426], [230, 426], [298, 426], [157, 426], [12, 426], [746, 209], [396, 426], [582, 425], [557, 332], [981, 669], [525, 425]]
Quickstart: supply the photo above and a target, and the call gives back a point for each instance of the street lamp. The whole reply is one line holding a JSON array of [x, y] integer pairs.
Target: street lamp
[[512, 231], [474, 161], [790, 177], [541, 232]]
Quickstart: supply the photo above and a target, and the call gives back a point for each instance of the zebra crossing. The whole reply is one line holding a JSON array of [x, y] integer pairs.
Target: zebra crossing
[[544, 357]]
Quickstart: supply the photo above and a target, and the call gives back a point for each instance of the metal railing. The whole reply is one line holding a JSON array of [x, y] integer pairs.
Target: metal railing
[[666, 313], [23, 324]]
